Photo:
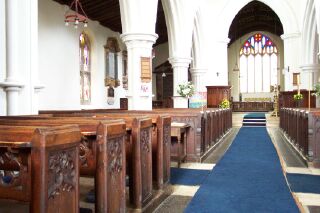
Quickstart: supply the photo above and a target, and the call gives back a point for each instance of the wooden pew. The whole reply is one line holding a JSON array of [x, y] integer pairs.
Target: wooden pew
[[298, 125], [316, 139], [137, 150], [200, 127], [40, 165], [160, 141]]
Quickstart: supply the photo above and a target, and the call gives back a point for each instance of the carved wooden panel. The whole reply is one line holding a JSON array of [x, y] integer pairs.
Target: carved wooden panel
[[87, 155], [316, 144], [146, 163], [15, 174], [61, 174], [116, 176], [115, 164], [166, 152]]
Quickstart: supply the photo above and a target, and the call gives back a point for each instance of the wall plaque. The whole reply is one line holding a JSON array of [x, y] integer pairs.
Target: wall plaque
[[145, 69]]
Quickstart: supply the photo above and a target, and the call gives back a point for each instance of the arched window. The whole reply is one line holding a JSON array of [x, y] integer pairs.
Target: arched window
[[85, 70], [258, 64]]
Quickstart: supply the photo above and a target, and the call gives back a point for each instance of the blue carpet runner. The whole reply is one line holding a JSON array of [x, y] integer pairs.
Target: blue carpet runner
[[254, 119], [304, 183], [248, 178], [189, 177]]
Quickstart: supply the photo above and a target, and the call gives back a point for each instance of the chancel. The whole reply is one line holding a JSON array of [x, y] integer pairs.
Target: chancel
[[159, 106]]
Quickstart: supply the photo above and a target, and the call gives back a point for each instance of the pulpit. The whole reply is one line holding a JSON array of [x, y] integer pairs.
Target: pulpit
[[215, 95]]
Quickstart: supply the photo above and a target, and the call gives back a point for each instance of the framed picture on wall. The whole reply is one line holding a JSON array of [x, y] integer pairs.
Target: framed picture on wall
[[111, 62]]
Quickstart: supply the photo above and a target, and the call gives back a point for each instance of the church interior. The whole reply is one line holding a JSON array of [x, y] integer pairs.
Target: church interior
[[159, 106]]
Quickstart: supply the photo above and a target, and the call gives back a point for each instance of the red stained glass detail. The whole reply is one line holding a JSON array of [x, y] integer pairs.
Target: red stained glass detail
[[257, 37]]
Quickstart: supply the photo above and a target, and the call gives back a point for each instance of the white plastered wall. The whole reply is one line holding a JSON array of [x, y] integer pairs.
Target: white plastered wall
[[59, 61]]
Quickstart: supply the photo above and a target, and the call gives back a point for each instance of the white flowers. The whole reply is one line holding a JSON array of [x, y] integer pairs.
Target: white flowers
[[186, 89]]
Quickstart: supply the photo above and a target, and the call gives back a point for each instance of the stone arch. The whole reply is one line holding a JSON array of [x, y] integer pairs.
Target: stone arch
[[309, 35]]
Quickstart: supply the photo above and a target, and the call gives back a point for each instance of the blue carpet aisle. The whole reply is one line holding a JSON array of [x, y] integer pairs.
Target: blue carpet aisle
[[304, 183], [248, 178], [188, 177]]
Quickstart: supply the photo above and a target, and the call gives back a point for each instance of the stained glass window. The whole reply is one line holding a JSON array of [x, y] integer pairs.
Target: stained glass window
[[258, 64], [85, 71]]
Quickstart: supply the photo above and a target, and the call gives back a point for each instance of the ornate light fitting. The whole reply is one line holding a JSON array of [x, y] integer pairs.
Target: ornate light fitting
[[74, 16]]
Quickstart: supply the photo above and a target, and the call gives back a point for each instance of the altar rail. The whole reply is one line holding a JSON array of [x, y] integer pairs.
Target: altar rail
[[255, 106], [302, 129]]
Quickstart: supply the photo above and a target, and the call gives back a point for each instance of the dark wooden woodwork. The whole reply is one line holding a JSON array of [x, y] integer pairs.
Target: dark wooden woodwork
[[179, 149], [252, 106], [316, 139], [42, 170], [215, 95], [91, 148], [124, 103], [286, 99], [301, 128], [160, 137], [255, 16], [197, 147]]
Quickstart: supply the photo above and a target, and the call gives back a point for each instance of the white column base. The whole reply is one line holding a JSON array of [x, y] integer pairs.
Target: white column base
[[180, 102], [139, 102]]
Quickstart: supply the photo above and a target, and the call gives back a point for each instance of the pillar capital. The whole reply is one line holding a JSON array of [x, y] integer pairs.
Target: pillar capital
[[223, 40], [198, 71], [180, 62], [11, 84], [290, 35], [310, 67], [139, 40]]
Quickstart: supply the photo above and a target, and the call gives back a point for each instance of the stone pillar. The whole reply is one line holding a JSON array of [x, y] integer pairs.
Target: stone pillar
[[291, 58], [180, 76], [198, 79], [217, 74], [21, 36], [317, 8], [139, 93], [11, 85]]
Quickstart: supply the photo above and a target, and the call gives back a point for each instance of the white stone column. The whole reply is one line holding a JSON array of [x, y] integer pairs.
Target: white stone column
[[317, 8], [180, 76], [21, 81], [217, 74], [291, 43], [139, 93], [198, 79], [11, 84]]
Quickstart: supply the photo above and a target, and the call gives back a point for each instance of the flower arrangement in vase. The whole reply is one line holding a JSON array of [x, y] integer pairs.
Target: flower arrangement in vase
[[225, 104], [186, 90], [297, 97]]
